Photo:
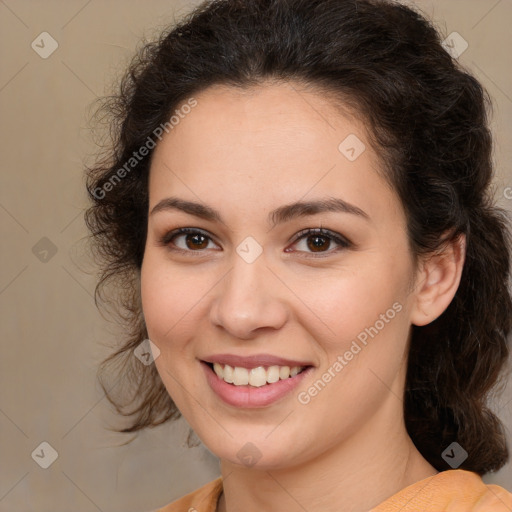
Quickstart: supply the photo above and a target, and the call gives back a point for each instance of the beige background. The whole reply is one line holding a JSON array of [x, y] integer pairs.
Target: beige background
[[51, 333]]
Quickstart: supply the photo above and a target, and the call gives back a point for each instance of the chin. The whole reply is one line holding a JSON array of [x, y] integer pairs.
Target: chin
[[257, 451]]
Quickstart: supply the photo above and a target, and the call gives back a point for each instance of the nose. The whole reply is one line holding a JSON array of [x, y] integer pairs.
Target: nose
[[249, 299]]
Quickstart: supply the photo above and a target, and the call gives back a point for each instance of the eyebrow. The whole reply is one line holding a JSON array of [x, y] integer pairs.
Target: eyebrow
[[277, 216]]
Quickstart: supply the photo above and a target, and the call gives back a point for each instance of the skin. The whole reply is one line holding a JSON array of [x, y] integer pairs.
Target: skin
[[245, 153]]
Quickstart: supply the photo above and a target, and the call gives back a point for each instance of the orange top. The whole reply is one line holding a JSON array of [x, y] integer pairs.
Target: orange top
[[448, 491]]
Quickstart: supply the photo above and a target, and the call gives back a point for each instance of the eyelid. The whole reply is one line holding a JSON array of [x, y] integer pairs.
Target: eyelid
[[165, 240], [340, 240]]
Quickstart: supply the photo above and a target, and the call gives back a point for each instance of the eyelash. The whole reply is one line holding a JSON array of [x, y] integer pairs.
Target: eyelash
[[304, 234]]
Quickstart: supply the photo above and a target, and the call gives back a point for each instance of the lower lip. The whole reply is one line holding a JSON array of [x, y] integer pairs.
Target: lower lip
[[250, 396]]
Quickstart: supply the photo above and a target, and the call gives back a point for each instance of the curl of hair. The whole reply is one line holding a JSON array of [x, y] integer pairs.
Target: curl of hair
[[426, 116]]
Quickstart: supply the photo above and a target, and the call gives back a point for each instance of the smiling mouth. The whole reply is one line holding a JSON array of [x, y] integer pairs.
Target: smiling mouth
[[255, 377]]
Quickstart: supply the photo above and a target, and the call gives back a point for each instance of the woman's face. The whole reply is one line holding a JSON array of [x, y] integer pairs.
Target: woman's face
[[253, 175]]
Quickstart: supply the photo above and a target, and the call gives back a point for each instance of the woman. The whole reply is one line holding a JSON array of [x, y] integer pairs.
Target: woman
[[296, 212]]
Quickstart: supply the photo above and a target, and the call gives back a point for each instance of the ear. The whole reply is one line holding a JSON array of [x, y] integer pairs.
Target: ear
[[437, 281]]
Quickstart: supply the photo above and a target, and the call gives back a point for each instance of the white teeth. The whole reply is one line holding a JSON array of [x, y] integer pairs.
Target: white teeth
[[255, 377], [284, 372], [240, 376], [258, 377], [217, 368], [228, 374], [273, 374]]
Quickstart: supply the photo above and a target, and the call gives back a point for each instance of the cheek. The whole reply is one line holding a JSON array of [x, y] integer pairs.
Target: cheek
[[170, 296], [171, 303], [364, 348], [344, 307]]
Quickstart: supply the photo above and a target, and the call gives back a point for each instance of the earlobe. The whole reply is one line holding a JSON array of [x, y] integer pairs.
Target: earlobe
[[437, 282]]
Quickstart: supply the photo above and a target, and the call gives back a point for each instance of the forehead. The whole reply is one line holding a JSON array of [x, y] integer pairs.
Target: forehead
[[271, 144], [274, 114]]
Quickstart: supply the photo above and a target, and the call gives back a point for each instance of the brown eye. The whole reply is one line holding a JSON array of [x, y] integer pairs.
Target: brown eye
[[188, 240], [318, 243], [197, 241]]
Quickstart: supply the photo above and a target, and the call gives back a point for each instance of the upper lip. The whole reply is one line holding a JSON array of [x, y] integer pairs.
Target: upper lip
[[253, 361]]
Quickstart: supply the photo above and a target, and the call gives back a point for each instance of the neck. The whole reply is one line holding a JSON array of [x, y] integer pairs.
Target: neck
[[355, 475]]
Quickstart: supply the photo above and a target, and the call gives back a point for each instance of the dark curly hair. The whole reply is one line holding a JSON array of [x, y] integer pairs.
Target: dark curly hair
[[427, 118]]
